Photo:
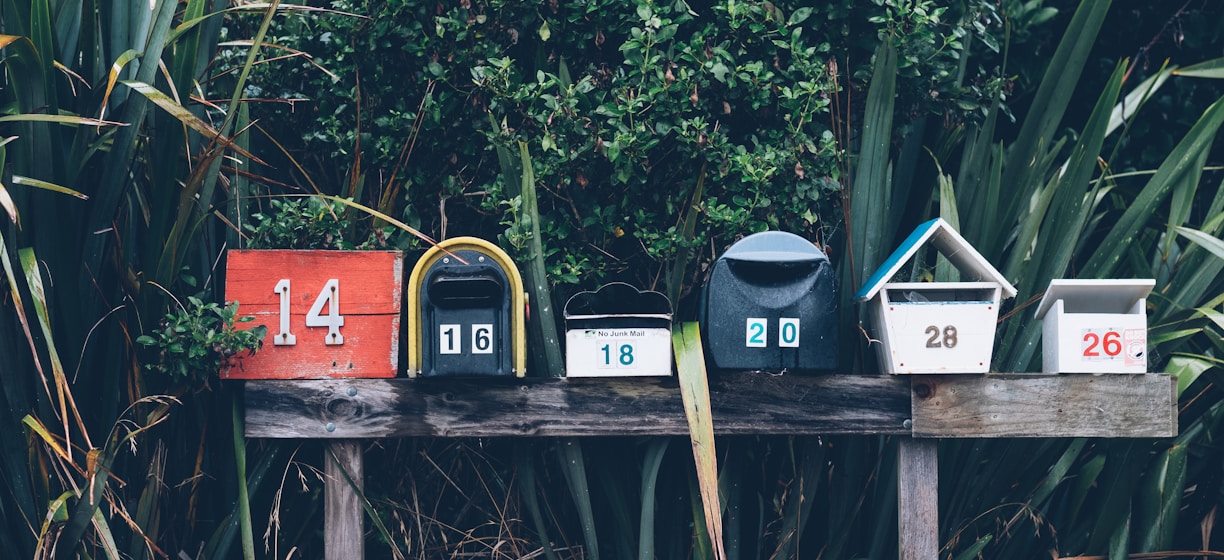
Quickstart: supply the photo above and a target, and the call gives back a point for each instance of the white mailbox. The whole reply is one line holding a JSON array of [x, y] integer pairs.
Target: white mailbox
[[935, 327], [618, 331], [1095, 326]]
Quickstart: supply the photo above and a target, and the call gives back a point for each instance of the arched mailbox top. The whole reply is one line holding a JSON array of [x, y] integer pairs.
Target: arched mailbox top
[[618, 298], [774, 247]]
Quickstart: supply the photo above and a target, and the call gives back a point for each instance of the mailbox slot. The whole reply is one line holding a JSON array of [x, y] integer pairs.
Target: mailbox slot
[[456, 288], [930, 292]]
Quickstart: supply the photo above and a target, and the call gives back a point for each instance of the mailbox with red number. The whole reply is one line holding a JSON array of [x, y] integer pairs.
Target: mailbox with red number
[[329, 314], [1095, 326], [934, 327]]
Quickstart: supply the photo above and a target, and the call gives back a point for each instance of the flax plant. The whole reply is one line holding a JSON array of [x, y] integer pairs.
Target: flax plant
[[111, 179], [1047, 205]]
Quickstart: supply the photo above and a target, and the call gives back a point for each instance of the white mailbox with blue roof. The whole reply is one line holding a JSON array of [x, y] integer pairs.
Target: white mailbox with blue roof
[[935, 327]]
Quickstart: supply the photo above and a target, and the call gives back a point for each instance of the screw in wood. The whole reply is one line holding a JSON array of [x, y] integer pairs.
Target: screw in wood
[[908, 424], [330, 427], [352, 391]]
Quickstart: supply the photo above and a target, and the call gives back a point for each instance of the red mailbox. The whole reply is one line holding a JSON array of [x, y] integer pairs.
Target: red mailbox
[[329, 314]]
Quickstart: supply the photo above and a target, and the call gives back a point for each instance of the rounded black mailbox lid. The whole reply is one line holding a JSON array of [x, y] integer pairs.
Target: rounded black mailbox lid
[[771, 304]]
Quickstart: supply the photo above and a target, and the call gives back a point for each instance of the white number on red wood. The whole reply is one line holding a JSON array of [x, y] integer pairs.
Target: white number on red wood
[[284, 337], [330, 296], [333, 321]]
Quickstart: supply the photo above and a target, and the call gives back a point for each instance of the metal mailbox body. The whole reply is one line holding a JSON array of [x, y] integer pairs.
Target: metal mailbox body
[[935, 327], [329, 314], [771, 305], [618, 331], [467, 309], [1095, 326]]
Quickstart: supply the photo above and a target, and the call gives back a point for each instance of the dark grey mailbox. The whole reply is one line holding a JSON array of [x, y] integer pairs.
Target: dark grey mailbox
[[466, 312], [771, 304]]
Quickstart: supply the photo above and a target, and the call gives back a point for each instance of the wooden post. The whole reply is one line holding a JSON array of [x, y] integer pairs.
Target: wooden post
[[918, 498], [343, 535]]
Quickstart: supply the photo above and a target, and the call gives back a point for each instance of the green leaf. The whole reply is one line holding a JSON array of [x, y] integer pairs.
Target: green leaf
[[695, 392], [869, 234], [799, 16], [1181, 160], [39, 184], [1160, 497], [61, 119], [186, 117], [1213, 68], [1204, 240], [1186, 369]]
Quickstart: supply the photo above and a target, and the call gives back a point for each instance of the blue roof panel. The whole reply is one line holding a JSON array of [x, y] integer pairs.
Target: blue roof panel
[[950, 244]]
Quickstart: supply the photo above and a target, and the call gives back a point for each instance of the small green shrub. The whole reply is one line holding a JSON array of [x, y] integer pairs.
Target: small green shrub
[[298, 223], [194, 341]]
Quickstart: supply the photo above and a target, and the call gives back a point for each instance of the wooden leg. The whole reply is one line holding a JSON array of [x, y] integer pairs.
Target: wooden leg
[[343, 535], [918, 498]]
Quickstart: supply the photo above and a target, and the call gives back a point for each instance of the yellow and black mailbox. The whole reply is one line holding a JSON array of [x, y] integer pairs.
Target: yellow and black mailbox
[[466, 312]]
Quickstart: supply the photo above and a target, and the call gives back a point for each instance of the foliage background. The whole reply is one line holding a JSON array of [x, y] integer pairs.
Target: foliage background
[[658, 134]]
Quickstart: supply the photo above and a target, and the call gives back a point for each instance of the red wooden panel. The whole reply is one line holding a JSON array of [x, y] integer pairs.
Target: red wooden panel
[[370, 285]]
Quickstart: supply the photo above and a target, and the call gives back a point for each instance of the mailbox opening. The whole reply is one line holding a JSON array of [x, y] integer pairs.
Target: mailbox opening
[[765, 272], [474, 288], [940, 292]]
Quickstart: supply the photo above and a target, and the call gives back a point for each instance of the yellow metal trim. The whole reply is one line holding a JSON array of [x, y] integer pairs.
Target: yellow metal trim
[[518, 306]]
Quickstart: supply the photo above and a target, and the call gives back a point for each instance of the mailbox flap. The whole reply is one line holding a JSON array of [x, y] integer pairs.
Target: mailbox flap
[[617, 299], [1116, 296], [774, 247]]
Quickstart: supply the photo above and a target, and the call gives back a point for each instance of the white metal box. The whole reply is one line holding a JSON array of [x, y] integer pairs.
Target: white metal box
[[618, 331], [1095, 326], [935, 327]]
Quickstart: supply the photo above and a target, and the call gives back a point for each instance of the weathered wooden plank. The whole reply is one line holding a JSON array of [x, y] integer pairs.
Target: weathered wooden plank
[[918, 498], [343, 535], [742, 403], [1110, 405]]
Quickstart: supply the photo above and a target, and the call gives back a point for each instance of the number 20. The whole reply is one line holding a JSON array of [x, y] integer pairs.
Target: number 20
[[330, 296]]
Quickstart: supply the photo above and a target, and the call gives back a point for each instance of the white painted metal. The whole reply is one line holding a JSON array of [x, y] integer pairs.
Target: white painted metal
[[1095, 326], [618, 352], [936, 336]]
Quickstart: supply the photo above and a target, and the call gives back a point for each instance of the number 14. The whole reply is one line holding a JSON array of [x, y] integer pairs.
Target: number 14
[[330, 296]]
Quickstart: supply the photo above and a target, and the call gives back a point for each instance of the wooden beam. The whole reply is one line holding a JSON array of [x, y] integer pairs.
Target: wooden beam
[[918, 498], [742, 403], [1108, 405], [343, 518]]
